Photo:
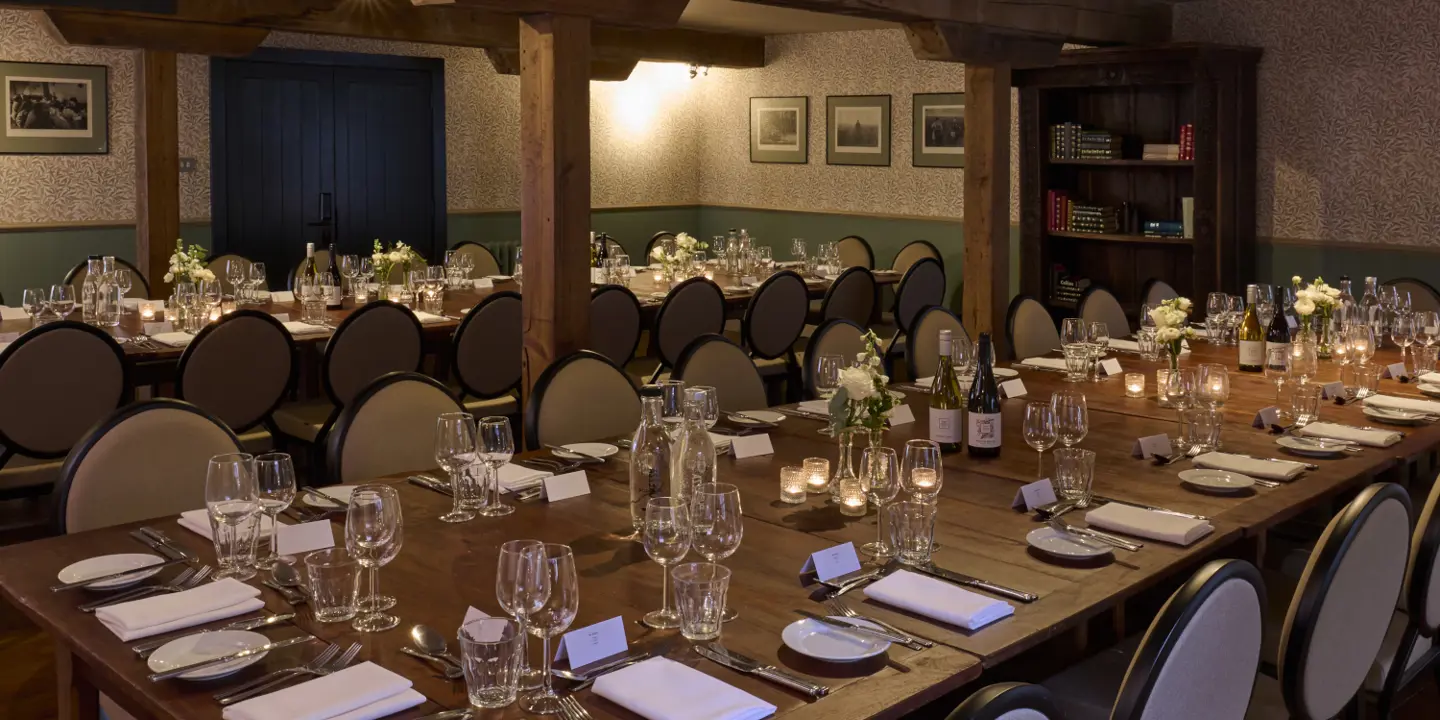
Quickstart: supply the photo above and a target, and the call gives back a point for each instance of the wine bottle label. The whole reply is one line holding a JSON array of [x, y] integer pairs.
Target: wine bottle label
[[1271, 346], [944, 425], [984, 430], [1252, 352], [334, 296]]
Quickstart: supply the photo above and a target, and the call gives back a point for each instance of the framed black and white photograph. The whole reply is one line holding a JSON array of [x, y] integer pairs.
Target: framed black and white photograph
[[53, 109], [939, 134], [857, 129], [780, 129]]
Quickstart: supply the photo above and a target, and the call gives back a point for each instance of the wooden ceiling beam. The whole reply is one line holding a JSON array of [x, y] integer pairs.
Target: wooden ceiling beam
[[977, 44], [640, 13], [79, 27], [507, 62]]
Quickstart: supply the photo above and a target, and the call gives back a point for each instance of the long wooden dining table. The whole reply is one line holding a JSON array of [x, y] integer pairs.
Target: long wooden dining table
[[446, 568]]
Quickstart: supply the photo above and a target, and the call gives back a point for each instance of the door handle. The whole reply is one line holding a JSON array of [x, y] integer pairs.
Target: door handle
[[327, 208]]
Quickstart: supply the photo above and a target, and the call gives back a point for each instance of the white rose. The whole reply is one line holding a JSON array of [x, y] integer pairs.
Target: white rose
[[1295, 280], [875, 362], [1167, 334], [859, 358], [1304, 306], [1332, 292], [1160, 315], [169, 277], [1183, 304], [857, 383], [396, 256]]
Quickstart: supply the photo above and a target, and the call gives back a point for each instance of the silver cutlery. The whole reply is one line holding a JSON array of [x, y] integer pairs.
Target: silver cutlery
[[1325, 443], [804, 414], [1151, 508], [335, 665], [184, 581], [1021, 366], [461, 714], [861, 630], [325, 499], [936, 571], [1262, 482], [429, 485], [584, 457], [572, 708], [450, 673], [432, 643], [292, 596], [145, 648], [1063, 527], [751, 419], [717, 653], [850, 585], [316, 663], [115, 576], [838, 607], [231, 657], [167, 544]]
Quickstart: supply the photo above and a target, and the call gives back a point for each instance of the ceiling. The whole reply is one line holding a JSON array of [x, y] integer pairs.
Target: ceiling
[[751, 19]]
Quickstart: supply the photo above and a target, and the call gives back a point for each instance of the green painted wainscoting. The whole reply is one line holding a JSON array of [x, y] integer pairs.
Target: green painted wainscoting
[[39, 258], [1277, 262]]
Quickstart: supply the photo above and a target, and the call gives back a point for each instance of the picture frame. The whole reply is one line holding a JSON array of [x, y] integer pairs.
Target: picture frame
[[938, 136], [55, 109], [857, 130], [780, 130]]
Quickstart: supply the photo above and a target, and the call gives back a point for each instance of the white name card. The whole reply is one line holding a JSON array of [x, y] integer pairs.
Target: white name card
[[1012, 388], [1111, 366], [748, 446], [472, 614], [589, 644], [282, 297], [490, 633], [1036, 494], [900, 415], [1266, 417], [484, 284], [749, 280], [1395, 370], [1152, 445], [157, 328], [1332, 390], [304, 538], [9, 313], [282, 317], [563, 487], [831, 563]]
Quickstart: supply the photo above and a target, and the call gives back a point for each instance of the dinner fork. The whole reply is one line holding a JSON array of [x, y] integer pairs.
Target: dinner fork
[[183, 581], [337, 665], [840, 608], [573, 709], [318, 662]]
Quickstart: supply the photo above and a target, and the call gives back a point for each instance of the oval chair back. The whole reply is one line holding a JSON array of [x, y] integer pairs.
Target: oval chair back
[[487, 348], [579, 398], [1008, 701], [833, 337], [484, 261], [1423, 295], [922, 350], [76, 371], [220, 266], [775, 316], [855, 252], [239, 369], [389, 428], [922, 286], [379, 338], [614, 323], [656, 239], [715, 361], [1156, 291], [1100, 305], [912, 252], [695, 307], [1420, 608], [1029, 328], [139, 288], [851, 297]]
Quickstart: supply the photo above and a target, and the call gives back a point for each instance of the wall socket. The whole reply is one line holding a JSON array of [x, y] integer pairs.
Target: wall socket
[[187, 164]]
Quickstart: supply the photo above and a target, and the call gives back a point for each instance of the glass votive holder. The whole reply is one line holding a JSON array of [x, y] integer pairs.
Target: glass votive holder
[[334, 584], [147, 312], [817, 475], [852, 498], [792, 485], [490, 652], [1162, 378], [215, 313], [700, 590], [1425, 358], [1135, 385]]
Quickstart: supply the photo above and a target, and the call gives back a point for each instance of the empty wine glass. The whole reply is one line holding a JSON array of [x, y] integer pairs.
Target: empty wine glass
[[672, 405], [1040, 430], [827, 374], [880, 476], [373, 537], [62, 300], [124, 281], [275, 482], [1427, 327], [716, 525], [709, 400], [522, 585], [366, 271], [667, 541], [551, 619], [257, 280], [797, 249], [921, 470], [496, 446], [1099, 341], [1402, 333], [455, 451], [1214, 385], [1277, 367], [32, 301], [1072, 416], [237, 270], [232, 500], [349, 269]]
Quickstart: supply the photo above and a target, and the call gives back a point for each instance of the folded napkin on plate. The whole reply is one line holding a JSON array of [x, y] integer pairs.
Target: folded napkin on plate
[[198, 522], [135, 303], [662, 689], [937, 599], [173, 611], [1372, 438], [1268, 469], [518, 477], [1044, 362], [1132, 346], [722, 442], [173, 339], [300, 328], [1149, 524], [1390, 402], [362, 692], [427, 318], [815, 406]]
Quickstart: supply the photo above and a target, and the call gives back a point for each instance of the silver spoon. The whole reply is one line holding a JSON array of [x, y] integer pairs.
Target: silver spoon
[[432, 643], [287, 577]]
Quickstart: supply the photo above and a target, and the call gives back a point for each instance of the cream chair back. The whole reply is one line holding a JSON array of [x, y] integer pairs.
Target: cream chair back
[[388, 429], [580, 398]]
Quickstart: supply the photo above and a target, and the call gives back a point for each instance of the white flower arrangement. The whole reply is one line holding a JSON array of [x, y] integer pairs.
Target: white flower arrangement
[[188, 265], [674, 256], [384, 261], [864, 398], [1317, 296], [1172, 324]]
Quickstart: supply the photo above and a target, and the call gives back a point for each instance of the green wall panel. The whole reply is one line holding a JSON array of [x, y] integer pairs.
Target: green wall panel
[[39, 258]]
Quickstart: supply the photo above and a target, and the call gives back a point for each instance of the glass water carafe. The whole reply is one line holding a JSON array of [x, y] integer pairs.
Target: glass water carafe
[[649, 455], [90, 290], [692, 459]]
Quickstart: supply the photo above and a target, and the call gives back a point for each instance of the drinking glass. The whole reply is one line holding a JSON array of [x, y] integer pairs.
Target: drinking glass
[[962, 355], [373, 536], [467, 265], [700, 590], [1425, 360], [551, 619], [1072, 416], [1216, 304], [1214, 385], [1235, 310], [1277, 367], [124, 281], [1040, 431], [766, 256], [1265, 304], [233, 501], [880, 476], [797, 248], [1369, 377], [349, 268], [921, 470], [1427, 327], [667, 541], [1099, 343], [1362, 343], [496, 446], [1305, 404], [1149, 348], [366, 270], [1074, 472], [257, 281], [490, 657], [32, 301], [912, 531], [275, 482], [1402, 333], [1202, 430], [672, 405], [1072, 332], [522, 586], [62, 300], [709, 400], [455, 452], [716, 524], [237, 270], [332, 577], [827, 374], [1180, 388]]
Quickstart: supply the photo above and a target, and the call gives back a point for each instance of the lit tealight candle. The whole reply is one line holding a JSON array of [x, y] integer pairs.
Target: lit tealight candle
[[924, 480], [792, 485], [147, 312], [817, 475], [853, 502], [659, 276], [214, 314], [1162, 378], [1135, 384], [709, 274]]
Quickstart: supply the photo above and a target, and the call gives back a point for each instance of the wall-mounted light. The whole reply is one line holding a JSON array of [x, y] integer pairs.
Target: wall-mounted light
[[699, 71]]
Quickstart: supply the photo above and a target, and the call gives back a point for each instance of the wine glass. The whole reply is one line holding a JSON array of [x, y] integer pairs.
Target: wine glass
[[1362, 343], [1216, 304], [455, 451], [522, 585], [237, 269], [880, 476], [1072, 332], [921, 470], [1072, 416], [496, 447], [827, 374], [1265, 304], [124, 281], [716, 525], [1099, 341], [797, 249], [667, 541], [1402, 333], [372, 536], [1277, 367], [366, 271], [32, 301], [1427, 327], [1234, 311], [709, 400], [1040, 430], [275, 482], [232, 499], [349, 269], [1214, 385], [467, 265], [552, 619], [62, 300], [257, 280]]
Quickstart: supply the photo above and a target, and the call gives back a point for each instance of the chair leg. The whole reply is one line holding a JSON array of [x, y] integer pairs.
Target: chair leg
[[1394, 680]]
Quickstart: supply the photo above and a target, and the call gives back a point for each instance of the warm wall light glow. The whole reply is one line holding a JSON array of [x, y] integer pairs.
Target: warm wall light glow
[[635, 103]]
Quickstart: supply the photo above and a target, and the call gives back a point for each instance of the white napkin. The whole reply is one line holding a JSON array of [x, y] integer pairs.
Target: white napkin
[[1044, 362], [299, 328], [173, 339], [173, 611], [1398, 403], [198, 522], [815, 406], [1372, 438], [662, 689], [427, 318], [135, 303], [721, 442], [518, 477], [360, 692], [935, 598], [1148, 524], [1270, 470], [1132, 346], [1430, 377], [9, 313]]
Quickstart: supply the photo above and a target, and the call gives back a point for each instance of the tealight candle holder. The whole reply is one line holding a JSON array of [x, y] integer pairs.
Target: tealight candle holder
[[709, 274], [147, 312], [214, 313], [1162, 378], [659, 277], [924, 484], [792, 485], [1135, 385], [227, 306], [852, 498], [817, 475]]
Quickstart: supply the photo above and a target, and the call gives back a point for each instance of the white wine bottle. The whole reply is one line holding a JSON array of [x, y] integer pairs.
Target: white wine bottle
[[308, 271], [1251, 335], [945, 404]]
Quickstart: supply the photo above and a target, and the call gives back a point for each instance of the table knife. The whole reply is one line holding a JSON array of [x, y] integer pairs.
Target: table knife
[[716, 653], [1106, 538], [861, 630], [428, 485], [936, 571], [1151, 508], [160, 537], [115, 576], [567, 451], [145, 648], [206, 664]]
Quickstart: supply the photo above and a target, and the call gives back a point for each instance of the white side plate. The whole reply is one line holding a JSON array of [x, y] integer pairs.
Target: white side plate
[[1216, 481], [198, 648], [1063, 545], [820, 641], [109, 565]]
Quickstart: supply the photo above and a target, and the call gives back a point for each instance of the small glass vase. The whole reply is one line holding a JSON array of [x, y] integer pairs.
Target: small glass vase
[[1304, 353], [1171, 355], [847, 439], [1325, 336]]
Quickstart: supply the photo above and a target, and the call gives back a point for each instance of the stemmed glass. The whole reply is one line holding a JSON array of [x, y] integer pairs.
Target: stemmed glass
[[1234, 311], [366, 270], [1277, 367], [921, 470], [797, 249], [373, 537], [349, 269], [1265, 305], [880, 476], [1072, 416], [1402, 333], [455, 451], [257, 280], [553, 618], [467, 265], [827, 374], [32, 301], [717, 526], [1073, 343], [1362, 343], [124, 281], [1427, 327], [62, 300], [1216, 305], [1099, 342], [667, 541], [1040, 431], [237, 269], [709, 400], [232, 499], [522, 586], [1214, 388], [672, 405], [496, 446], [275, 481]]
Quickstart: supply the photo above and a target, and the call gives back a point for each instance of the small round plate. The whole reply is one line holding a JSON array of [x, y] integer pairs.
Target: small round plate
[[339, 492], [768, 416], [822, 642], [1063, 545], [600, 450], [1396, 416], [1313, 447], [193, 649], [109, 565], [1216, 481], [1005, 372], [1429, 389]]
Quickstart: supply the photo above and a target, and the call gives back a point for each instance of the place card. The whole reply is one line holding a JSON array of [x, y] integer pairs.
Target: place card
[[472, 614], [484, 284], [1266, 417], [281, 317], [282, 297], [304, 538], [1012, 388], [564, 487], [1034, 495], [749, 280], [748, 446], [1332, 390], [1111, 366], [157, 328], [1395, 370], [595, 642], [9, 313], [1152, 445], [900, 415], [831, 563]]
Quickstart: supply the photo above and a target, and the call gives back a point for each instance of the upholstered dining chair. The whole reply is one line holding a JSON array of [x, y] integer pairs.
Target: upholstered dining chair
[[57, 381], [656, 239], [485, 262], [614, 323], [144, 461], [579, 398], [922, 286], [715, 361], [139, 287], [1409, 646], [855, 252], [1156, 291], [240, 369], [912, 252], [851, 297], [835, 337], [1029, 328], [772, 324], [322, 261], [1008, 701], [922, 350], [693, 308], [485, 353], [1423, 295], [1100, 305], [388, 428], [220, 266]]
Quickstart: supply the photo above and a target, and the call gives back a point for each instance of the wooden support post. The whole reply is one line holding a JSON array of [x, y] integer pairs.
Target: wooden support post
[[157, 166], [987, 200], [555, 187]]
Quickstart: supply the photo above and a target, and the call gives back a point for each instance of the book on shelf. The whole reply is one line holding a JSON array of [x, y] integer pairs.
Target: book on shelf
[[1187, 215], [1164, 228], [1187, 141], [1160, 152], [1069, 141]]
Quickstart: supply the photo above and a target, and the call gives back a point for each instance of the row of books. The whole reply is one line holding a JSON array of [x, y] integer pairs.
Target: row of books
[[1070, 141], [1064, 214]]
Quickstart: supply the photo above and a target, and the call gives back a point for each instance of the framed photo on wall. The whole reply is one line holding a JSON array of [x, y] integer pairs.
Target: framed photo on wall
[[780, 130], [938, 138], [857, 129], [53, 109]]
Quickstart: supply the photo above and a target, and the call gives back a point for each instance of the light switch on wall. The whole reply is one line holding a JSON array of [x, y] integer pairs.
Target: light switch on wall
[[187, 164]]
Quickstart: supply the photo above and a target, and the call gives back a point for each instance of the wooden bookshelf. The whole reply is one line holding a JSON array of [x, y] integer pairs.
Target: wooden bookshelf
[[1143, 95]]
